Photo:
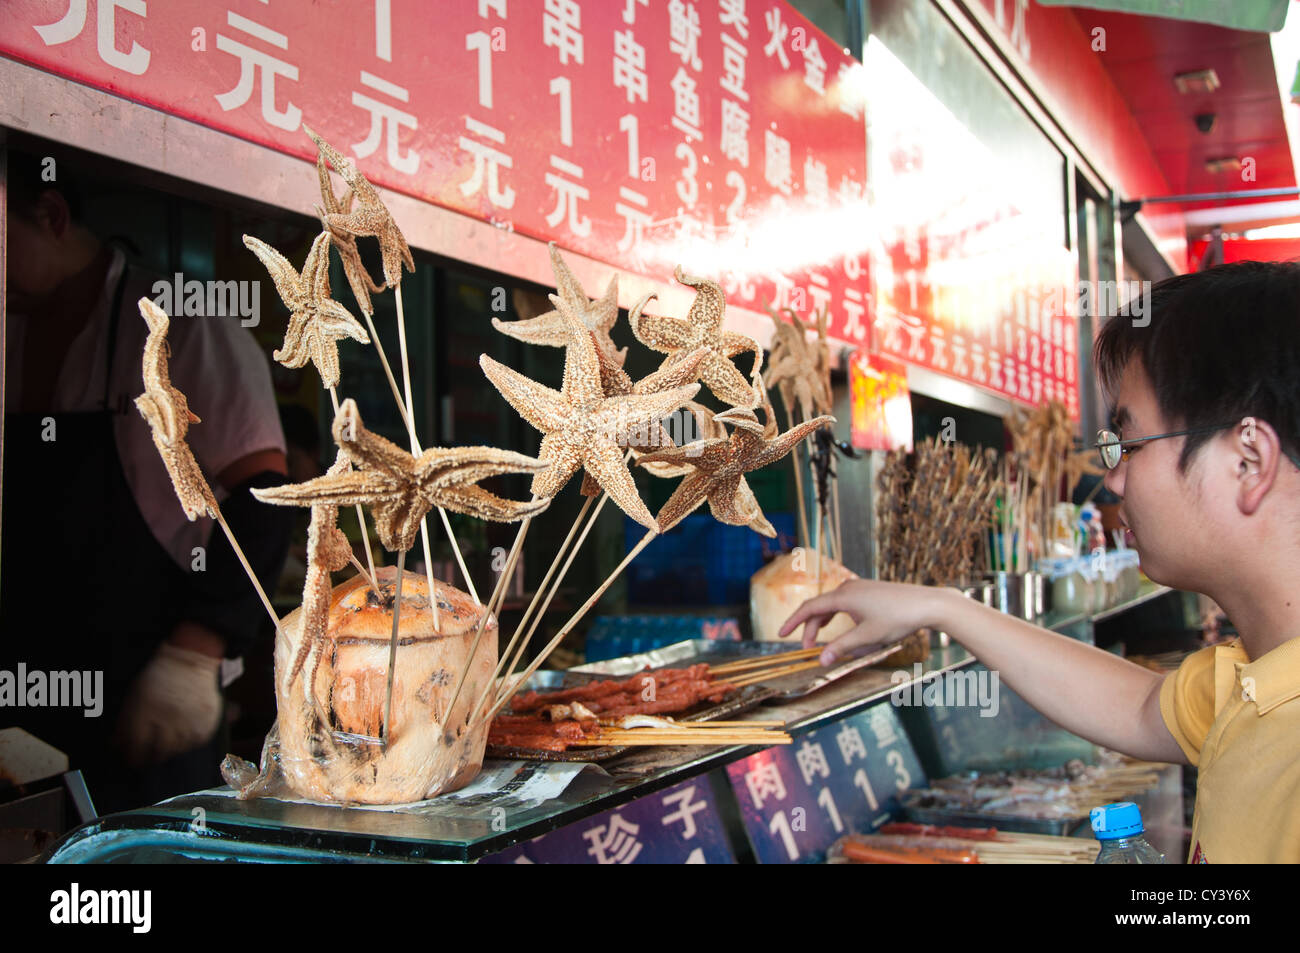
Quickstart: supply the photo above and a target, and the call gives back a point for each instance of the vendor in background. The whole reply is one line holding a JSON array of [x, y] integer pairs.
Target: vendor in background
[[100, 572], [1205, 458]]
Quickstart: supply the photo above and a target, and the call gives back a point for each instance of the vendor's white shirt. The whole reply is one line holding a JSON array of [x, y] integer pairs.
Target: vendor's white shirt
[[215, 362]]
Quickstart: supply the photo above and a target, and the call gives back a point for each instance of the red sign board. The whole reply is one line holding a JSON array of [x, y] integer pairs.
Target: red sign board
[[968, 282], [725, 136], [882, 404]]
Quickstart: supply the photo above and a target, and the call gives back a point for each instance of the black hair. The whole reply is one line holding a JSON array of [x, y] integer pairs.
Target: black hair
[[26, 181], [1222, 344]]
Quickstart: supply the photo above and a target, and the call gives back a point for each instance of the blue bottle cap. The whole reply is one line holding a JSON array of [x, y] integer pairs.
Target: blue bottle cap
[[1110, 821]]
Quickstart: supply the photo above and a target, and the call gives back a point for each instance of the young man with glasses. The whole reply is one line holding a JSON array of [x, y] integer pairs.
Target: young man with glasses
[[1204, 456]]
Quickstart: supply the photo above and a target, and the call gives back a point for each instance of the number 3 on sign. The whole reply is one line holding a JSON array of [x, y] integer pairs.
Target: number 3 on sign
[[779, 825]]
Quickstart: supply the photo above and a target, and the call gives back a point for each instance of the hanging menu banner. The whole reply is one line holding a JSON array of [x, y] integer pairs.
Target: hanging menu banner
[[971, 280], [796, 800], [727, 136]]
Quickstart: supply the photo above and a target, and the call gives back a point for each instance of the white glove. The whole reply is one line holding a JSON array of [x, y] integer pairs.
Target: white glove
[[174, 705]]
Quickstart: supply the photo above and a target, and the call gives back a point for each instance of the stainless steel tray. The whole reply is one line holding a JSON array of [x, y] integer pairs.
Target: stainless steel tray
[[1012, 823], [707, 650]]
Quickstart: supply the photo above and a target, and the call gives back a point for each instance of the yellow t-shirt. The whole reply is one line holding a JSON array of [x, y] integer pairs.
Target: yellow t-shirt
[[1238, 721]]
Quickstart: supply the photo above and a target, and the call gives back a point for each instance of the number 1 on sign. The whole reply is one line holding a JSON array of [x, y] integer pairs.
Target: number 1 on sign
[[560, 86], [779, 825], [828, 802], [860, 779], [628, 125]]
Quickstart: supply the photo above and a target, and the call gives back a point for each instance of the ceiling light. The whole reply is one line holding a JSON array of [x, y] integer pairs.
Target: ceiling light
[[1197, 81]]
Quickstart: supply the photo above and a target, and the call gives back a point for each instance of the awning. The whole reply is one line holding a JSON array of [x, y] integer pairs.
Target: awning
[[1262, 15]]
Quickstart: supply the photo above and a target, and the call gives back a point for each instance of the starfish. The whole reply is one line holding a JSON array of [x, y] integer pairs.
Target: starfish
[[702, 328], [369, 218], [168, 414], [345, 242], [796, 370], [719, 469], [316, 321], [824, 361], [581, 426], [552, 328], [328, 551], [400, 488]]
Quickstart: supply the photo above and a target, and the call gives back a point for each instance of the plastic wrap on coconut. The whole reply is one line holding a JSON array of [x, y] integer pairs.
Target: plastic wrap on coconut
[[325, 744], [786, 583]]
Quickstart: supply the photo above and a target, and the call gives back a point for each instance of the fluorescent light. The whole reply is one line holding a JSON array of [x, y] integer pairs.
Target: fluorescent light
[[1286, 230]]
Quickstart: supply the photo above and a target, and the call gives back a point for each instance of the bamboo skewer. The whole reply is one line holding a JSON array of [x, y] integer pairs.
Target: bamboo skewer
[[776, 658], [508, 690], [361, 516], [654, 736], [506, 664], [415, 450], [392, 645], [252, 576], [754, 679], [495, 600], [537, 618]]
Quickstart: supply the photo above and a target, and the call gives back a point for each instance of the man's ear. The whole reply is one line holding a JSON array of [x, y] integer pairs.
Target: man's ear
[[52, 211], [1259, 454]]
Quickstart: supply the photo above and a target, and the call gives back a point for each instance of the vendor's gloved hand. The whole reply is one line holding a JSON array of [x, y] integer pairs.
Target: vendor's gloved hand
[[174, 705]]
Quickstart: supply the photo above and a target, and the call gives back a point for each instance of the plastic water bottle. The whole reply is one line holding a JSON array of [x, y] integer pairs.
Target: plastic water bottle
[[1119, 829]]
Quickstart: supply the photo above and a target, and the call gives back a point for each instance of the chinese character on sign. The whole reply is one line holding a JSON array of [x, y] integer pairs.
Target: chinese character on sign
[[854, 311], [615, 843], [814, 68], [253, 61], [776, 162], [562, 29], [732, 13], [815, 182], [686, 104], [733, 67], [883, 729], [684, 32], [820, 292], [939, 357], [850, 742], [735, 132], [686, 810], [849, 93], [629, 10], [488, 162], [812, 761], [74, 21], [384, 122], [776, 34], [635, 217], [765, 781], [629, 66], [567, 194]]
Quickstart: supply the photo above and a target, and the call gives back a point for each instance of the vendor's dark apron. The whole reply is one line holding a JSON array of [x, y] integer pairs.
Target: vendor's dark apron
[[85, 586]]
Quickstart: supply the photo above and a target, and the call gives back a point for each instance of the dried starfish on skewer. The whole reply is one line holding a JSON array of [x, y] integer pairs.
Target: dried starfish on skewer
[[581, 427], [720, 466], [370, 217], [400, 488], [345, 242], [701, 328], [316, 321], [552, 328], [168, 414]]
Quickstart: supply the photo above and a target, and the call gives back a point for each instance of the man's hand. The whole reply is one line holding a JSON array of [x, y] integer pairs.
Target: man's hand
[[884, 612], [173, 707]]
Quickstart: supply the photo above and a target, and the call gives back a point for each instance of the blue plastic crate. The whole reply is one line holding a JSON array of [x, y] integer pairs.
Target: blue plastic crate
[[699, 561]]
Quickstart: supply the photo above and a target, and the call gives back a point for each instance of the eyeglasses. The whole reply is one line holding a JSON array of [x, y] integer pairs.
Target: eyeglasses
[[1114, 450]]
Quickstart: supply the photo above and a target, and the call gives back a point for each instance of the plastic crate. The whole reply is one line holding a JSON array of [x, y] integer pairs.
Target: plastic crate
[[616, 636], [699, 561]]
